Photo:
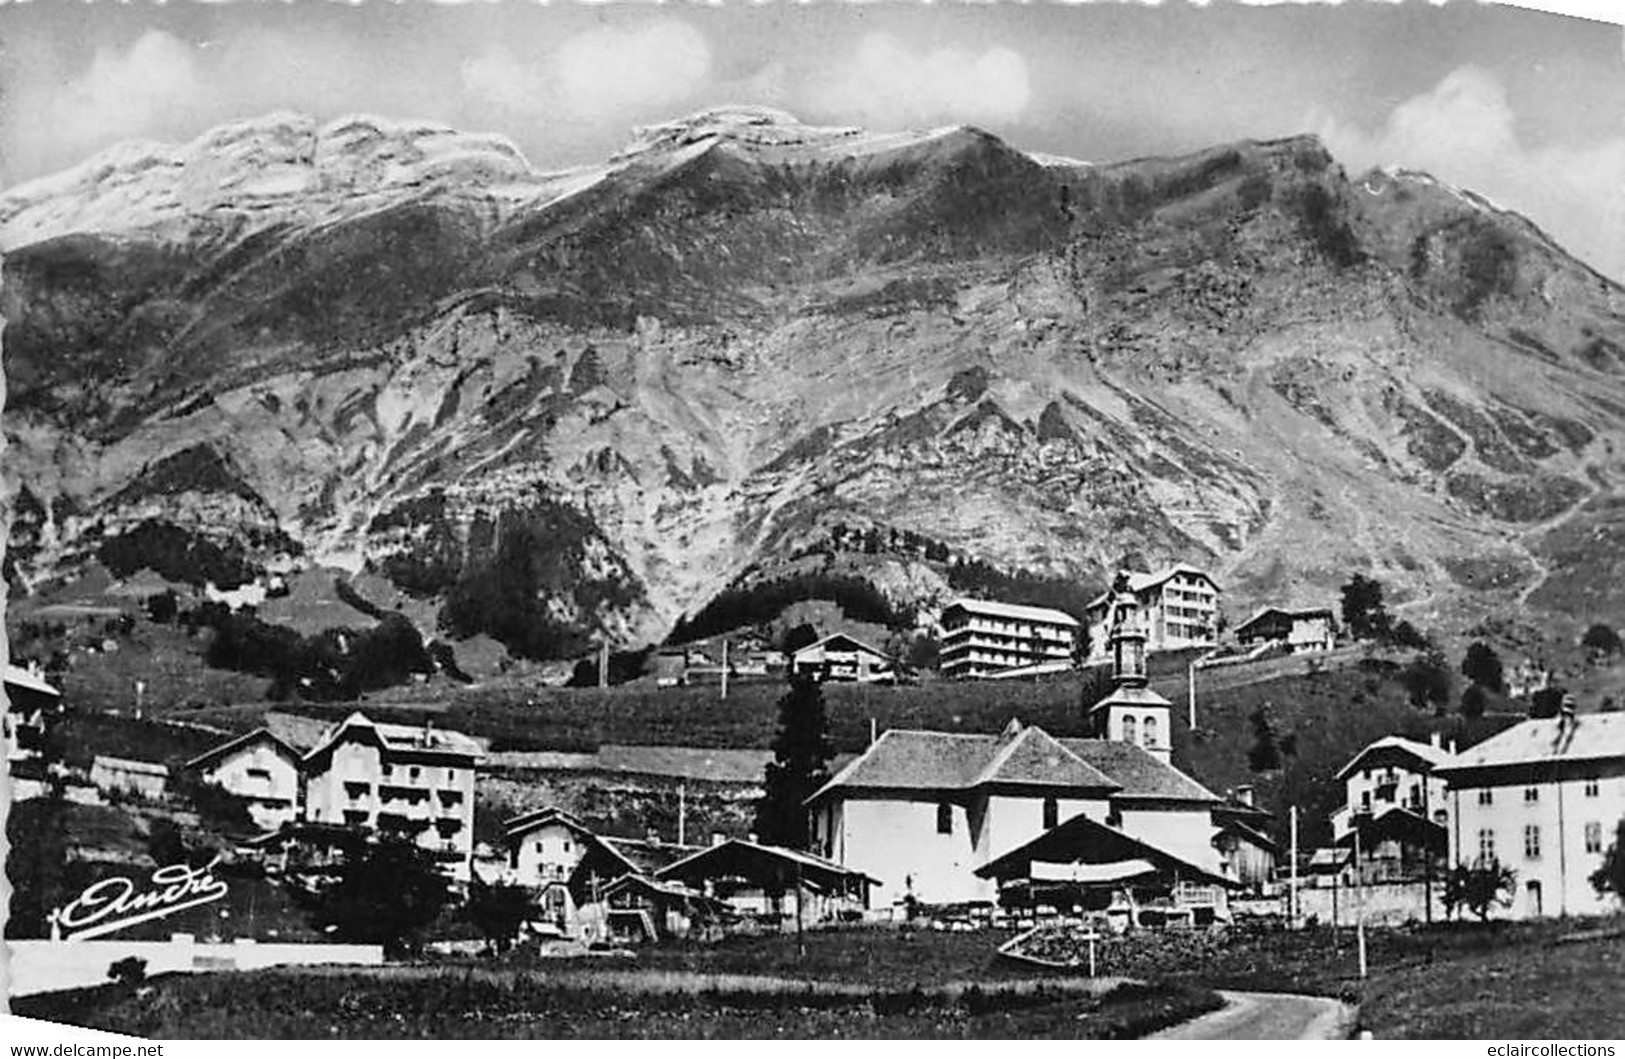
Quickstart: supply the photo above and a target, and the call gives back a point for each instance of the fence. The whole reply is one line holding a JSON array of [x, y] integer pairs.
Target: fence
[[46, 966]]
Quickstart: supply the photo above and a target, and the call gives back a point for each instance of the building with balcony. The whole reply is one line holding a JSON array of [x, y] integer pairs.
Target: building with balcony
[[1297, 630], [397, 780], [1179, 608], [981, 637], [840, 657], [1545, 798]]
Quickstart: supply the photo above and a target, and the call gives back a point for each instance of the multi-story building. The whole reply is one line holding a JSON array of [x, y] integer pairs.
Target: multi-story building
[[928, 814], [981, 637], [400, 780], [840, 657], [1394, 773], [1179, 608], [1545, 798], [259, 768], [1297, 630]]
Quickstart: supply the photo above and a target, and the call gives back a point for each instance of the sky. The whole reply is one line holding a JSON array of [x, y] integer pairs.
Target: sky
[[1526, 108]]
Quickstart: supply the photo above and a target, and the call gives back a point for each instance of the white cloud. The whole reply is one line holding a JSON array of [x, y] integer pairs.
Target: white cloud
[[123, 93], [610, 72], [887, 83], [499, 79], [1464, 132]]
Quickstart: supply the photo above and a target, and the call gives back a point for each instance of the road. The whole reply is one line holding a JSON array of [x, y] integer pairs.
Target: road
[[1266, 1017]]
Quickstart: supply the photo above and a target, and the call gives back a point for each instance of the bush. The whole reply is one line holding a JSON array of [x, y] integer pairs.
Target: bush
[[1473, 702], [132, 970], [1482, 666], [1601, 639]]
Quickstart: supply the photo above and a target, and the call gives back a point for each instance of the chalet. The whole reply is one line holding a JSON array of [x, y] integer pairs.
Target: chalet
[[259, 768], [544, 847], [29, 699], [922, 811], [1544, 798], [1297, 630], [778, 886], [840, 657], [636, 909], [1249, 853], [1393, 773], [1179, 604], [981, 638], [415, 782]]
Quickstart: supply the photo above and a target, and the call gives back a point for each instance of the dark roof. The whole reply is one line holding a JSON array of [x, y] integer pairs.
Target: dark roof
[[1140, 774], [1396, 749], [1400, 825], [1235, 827], [906, 760], [257, 735], [524, 823], [1281, 612], [1081, 840], [645, 856], [762, 864], [835, 636]]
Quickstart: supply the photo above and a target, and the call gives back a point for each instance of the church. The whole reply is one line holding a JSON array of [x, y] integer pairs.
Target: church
[[946, 817]]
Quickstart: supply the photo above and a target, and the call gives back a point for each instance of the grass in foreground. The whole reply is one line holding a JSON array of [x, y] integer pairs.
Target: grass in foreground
[[428, 1002]]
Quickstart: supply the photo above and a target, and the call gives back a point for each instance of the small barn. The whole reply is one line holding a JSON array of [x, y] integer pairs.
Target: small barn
[[777, 886], [117, 775]]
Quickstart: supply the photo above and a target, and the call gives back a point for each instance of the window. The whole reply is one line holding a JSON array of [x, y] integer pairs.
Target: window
[[539, 847], [1591, 787], [1486, 796], [1365, 801], [1531, 795], [945, 819], [1531, 842], [1150, 730], [412, 773], [389, 770], [1130, 730], [259, 774], [1486, 846], [1593, 838], [451, 775], [1052, 813]]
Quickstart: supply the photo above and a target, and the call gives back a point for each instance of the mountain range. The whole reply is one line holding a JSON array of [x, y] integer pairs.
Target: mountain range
[[561, 408]]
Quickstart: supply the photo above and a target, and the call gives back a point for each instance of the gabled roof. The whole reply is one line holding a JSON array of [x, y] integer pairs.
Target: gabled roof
[[1082, 840], [1232, 826], [1138, 773], [944, 762], [399, 738], [1399, 824], [905, 760], [853, 640], [18, 676], [256, 736], [760, 863], [524, 823], [124, 764], [1013, 611], [1141, 582], [1583, 737], [1427, 755], [1312, 612], [642, 855]]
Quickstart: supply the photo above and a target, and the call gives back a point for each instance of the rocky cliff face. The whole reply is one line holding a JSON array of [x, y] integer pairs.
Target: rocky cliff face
[[587, 402]]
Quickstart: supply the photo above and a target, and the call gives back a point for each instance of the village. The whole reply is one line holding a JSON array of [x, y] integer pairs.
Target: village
[[1044, 843]]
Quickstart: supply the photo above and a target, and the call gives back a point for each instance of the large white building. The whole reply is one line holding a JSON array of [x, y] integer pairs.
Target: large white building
[[921, 812], [1544, 798], [1179, 608], [982, 637], [397, 779], [1394, 773]]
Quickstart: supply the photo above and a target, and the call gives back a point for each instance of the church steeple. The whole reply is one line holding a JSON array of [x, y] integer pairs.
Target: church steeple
[[1132, 713]]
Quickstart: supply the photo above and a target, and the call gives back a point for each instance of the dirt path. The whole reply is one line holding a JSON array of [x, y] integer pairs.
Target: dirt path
[[1267, 1017]]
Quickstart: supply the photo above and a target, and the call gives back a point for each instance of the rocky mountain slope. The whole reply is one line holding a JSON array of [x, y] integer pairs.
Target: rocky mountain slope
[[572, 405]]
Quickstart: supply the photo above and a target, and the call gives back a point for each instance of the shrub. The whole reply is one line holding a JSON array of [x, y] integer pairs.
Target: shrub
[[1482, 666], [1364, 615], [1601, 639], [1473, 702], [132, 970]]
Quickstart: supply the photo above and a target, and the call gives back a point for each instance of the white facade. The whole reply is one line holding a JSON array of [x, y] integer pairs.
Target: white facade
[[261, 770], [1300, 630], [400, 780], [1179, 608], [1544, 798], [1391, 773], [981, 637]]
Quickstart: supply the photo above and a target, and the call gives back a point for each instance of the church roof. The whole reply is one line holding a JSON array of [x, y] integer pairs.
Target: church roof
[[1128, 695], [905, 760]]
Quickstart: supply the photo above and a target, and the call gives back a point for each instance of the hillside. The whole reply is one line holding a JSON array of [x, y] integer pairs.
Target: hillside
[[556, 409]]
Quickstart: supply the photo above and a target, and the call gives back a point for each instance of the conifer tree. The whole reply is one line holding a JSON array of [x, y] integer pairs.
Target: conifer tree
[[800, 765]]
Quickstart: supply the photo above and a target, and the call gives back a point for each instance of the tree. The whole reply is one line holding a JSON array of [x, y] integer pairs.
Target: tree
[[800, 765], [499, 911], [385, 893], [1609, 878], [923, 651], [798, 637], [1477, 889], [1404, 634], [1601, 639], [1265, 753], [1364, 615], [1482, 666], [1472, 702], [1426, 680], [1547, 702]]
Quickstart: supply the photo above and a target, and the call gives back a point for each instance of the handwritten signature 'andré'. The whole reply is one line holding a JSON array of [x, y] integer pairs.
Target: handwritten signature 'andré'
[[115, 903]]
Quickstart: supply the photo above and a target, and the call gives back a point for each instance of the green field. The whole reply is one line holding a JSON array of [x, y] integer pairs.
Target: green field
[[826, 995]]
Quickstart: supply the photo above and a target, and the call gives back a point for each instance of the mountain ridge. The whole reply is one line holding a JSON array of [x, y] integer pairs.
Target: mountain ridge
[[675, 373]]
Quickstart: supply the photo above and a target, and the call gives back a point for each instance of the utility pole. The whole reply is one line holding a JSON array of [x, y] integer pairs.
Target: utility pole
[[1359, 921], [873, 732], [1292, 893], [682, 813], [725, 667], [603, 664], [1192, 692]]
